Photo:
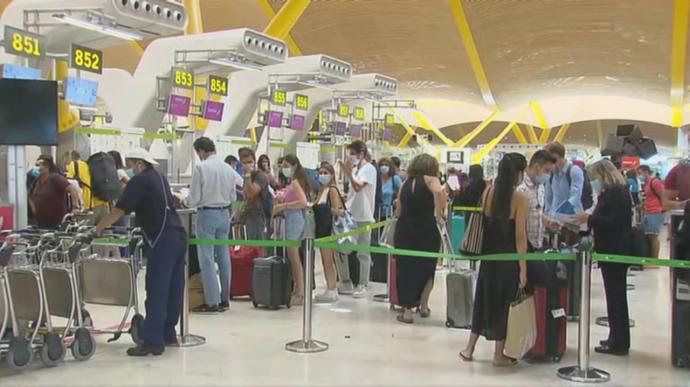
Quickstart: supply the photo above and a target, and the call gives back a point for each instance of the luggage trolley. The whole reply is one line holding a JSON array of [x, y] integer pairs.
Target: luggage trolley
[[26, 301], [59, 278], [113, 282]]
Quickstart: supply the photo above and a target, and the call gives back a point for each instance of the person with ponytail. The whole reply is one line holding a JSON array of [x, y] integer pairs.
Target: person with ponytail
[[293, 205], [505, 231]]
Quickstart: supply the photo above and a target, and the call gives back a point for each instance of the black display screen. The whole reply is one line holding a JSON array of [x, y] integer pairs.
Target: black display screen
[[28, 112]]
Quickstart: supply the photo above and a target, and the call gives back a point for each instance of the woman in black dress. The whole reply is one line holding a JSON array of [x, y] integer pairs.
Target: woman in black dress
[[611, 223], [470, 195], [505, 220], [421, 205]]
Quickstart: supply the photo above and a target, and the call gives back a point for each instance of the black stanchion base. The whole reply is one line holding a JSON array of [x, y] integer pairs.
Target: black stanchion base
[[590, 375]]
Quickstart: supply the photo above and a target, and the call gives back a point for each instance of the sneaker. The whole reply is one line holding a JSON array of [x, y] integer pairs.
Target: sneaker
[[327, 297], [360, 292], [225, 305], [346, 288], [145, 350], [207, 309]]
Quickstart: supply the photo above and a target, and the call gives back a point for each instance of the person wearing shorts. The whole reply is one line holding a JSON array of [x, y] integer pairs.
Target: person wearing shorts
[[654, 212]]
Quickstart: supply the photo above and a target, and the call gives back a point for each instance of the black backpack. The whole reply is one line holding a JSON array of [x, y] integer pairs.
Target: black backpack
[[105, 184], [587, 197], [682, 237]]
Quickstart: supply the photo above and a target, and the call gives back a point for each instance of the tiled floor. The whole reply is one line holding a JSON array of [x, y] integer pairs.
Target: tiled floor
[[367, 347]]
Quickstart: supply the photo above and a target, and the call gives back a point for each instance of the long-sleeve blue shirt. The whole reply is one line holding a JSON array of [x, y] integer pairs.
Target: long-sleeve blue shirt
[[558, 190]]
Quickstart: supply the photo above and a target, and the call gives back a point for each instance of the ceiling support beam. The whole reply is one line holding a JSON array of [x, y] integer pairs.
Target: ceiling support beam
[[533, 139], [406, 140], [472, 54], [478, 156], [541, 120], [561, 133], [600, 134], [281, 24], [680, 38], [465, 140], [424, 123], [517, 131], [195, 24], [271, 13]]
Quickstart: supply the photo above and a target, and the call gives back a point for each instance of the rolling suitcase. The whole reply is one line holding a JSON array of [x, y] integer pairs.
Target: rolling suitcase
[[242, 264], [460, 286], [272, 279], [680, 319], [393, 285], [550, 303]]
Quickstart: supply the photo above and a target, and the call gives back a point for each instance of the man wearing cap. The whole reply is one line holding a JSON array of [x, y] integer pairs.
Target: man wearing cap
[[148, 194]]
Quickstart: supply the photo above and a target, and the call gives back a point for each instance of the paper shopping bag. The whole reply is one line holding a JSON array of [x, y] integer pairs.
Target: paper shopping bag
[[522, 327]]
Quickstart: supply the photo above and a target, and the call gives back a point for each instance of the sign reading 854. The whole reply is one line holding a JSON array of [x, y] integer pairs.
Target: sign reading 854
[[301, 102]]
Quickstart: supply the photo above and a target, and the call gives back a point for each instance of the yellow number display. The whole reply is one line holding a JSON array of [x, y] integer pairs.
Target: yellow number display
[[390, 120], [24, 43], [183, 78], [279, 97], [343, 110], [217, 85], [87, 59], [302, 102], [359, 113]]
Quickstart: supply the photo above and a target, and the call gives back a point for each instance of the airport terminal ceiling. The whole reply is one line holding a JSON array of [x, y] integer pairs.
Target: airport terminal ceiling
[[530, 49]]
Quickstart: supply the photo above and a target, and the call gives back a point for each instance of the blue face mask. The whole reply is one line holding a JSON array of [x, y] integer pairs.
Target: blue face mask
[[287, 172], [325, 179], [130, 173], [596, 186], [35, 171], [542, 179]]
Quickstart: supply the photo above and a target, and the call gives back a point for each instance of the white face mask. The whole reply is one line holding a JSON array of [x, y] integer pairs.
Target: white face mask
[[287, 172], [355, 160], [596, 186], [385, 169]]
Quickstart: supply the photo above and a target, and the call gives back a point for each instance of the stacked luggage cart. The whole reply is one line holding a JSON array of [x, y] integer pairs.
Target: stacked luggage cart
[[55, 274]]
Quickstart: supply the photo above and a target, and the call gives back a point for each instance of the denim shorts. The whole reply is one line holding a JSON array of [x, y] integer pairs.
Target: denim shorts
[[653, 223], [294, 224]]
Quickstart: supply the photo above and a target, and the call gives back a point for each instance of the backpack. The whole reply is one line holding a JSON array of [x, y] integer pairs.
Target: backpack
[[587, 197], [105, 184]]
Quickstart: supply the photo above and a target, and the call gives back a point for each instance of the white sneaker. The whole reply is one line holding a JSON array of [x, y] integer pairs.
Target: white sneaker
[[346, 288], [327, 297], [360, 292]]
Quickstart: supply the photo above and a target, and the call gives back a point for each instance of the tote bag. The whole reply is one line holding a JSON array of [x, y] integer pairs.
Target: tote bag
[[474, 234], [387, 236], [522, 326], [344, 222]]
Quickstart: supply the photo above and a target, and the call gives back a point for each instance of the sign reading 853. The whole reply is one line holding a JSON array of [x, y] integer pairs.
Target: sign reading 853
[[301, 102], [182, 78], [279, 97]]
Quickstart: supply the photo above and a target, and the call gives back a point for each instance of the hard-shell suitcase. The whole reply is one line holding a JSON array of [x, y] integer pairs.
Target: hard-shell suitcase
[[242, 264], [550, 303], [460, 298], [457, 231], [680, 319], [272, 279], [271, 282]]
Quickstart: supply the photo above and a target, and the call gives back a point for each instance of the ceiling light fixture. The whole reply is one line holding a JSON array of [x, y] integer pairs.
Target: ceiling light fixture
[[111, 31], [229, 63]]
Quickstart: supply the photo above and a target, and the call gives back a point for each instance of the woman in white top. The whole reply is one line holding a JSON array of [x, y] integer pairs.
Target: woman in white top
[[329, 204]]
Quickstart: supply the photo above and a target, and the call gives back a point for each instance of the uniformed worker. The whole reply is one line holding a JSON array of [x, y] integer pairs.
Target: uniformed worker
[[148, 194]]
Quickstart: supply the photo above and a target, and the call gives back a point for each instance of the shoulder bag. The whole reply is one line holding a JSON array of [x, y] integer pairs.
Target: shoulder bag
[[474, 235]]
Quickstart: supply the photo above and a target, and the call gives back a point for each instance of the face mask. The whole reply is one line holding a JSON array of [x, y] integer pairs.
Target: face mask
[[35, 171], [542, 179], [355, 160], [287, 172], [130, 173], [250, 166], [596, 186], [325, 179], [385, 169]]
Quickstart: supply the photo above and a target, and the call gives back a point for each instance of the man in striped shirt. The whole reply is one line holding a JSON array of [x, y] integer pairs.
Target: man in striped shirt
[[533, 186]]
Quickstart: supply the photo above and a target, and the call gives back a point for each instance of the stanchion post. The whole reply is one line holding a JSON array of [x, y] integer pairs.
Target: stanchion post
[[306, 344], [385, 297], [582, 372], [187, 339]]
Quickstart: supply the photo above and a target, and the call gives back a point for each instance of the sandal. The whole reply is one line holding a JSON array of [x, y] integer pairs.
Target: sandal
[[508, 362], [404, 320], [424, 313], [464, 357], [297, 299]]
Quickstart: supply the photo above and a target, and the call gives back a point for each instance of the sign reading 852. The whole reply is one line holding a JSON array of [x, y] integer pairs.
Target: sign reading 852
[[87, 59]]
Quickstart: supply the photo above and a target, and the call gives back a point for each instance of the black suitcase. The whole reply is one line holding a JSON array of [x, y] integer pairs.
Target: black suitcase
[[574, 289], [680, 319], [271, 282]]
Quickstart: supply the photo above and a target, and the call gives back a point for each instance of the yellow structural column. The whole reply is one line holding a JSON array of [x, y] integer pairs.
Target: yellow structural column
[[532, 134], [678, 52], [517, 131], [66, 118], [292, 45], [561, 133], [286, 18], [461, 143], [424, 122], [195, 26]]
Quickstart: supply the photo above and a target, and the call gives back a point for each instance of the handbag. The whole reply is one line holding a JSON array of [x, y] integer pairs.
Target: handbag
[[521, 334], [344, 222], [309, 231], [474, 234]]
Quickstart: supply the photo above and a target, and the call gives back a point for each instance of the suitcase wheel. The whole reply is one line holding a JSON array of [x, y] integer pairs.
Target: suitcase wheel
[[255, 304], [680, 363], [555, 359], [449, 323]]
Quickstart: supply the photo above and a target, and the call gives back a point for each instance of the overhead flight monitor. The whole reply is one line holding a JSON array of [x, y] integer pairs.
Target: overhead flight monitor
[[297, 122], [212, 110], [274, 119], [178, 105], [11, 71], [28, 112]]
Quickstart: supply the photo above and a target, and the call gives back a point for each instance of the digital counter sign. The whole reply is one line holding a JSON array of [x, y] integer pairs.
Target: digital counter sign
[[87, 59]]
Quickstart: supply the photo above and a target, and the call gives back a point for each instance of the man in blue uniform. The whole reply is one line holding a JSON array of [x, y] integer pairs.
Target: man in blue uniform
[[149, 196]]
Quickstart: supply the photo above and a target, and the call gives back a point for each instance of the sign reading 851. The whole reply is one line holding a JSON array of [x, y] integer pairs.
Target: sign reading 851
[[279, 97], [23, 43]]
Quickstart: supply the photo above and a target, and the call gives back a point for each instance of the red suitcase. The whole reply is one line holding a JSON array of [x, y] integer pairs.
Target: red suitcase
[[550, 305], [242, 263]]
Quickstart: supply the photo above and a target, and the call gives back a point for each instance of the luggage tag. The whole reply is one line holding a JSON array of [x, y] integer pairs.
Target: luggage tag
[[558, 313]]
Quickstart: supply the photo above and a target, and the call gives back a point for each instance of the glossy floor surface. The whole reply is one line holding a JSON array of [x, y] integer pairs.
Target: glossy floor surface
[[245, 346]]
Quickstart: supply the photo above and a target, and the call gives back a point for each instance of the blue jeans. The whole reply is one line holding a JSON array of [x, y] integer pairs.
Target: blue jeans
[[214, 224]]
